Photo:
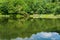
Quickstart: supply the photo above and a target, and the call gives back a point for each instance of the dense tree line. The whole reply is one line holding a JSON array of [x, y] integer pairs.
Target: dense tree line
[[30, 6]]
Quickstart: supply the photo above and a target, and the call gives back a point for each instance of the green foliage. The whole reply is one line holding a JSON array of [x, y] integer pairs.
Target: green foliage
[[28, 6], [57, 10]]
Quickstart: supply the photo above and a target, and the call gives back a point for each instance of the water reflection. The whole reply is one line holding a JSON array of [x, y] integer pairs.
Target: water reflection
[[42, 36]]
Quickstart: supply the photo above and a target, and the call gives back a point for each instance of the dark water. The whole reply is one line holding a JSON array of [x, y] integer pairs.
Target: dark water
[[41, 36]]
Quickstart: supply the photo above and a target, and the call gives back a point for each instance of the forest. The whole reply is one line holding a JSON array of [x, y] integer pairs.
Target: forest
[[15, 20]]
